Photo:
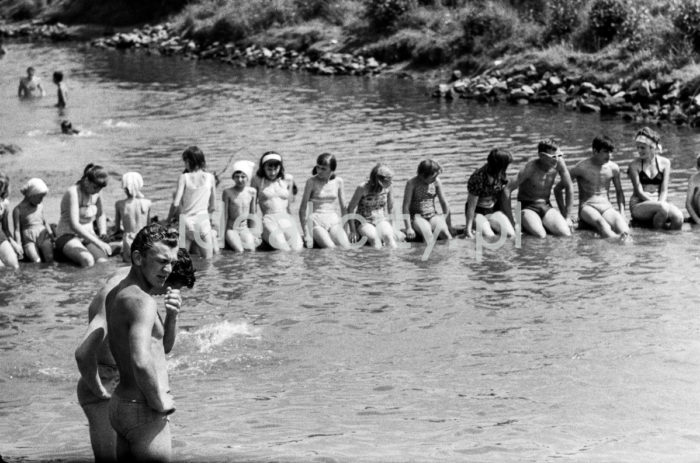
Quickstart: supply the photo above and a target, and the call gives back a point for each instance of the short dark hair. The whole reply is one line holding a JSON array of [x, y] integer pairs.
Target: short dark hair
[[151, 234], [58, 76], [547, 145], [194, 158], [428, 167], [602, 143], [95, 174], [326, 159], [183, 270]]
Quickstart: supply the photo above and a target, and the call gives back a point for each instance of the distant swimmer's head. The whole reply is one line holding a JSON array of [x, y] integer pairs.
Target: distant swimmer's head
[[183, 271], [58, 77], [647, 141], [549, 152], [30, 71], [94, 179], [497, 162], [67, 128], [325, 166], [602, 147], [242, 172], [380, 177], [34, 190], [428, 170], [697, 161], [271, 166], [193, 157], [4, 185], [154, 251]]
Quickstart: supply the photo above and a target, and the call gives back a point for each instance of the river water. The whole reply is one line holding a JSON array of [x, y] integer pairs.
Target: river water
[[562, 349]]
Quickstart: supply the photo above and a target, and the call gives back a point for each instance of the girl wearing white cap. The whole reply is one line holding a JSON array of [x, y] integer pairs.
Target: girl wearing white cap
[[650, 174], [275, 195], [239, 209], [373, 200], [31, 228], [132, 213]]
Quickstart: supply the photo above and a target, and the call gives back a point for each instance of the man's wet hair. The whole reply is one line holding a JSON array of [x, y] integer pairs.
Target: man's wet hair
[[183, 270], [603, 143], [548, 145], [150, 235]]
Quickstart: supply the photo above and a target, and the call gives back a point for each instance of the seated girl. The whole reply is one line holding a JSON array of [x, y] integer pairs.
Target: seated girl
[[421, 218], [324, 190], [374, 202], [31, 228]]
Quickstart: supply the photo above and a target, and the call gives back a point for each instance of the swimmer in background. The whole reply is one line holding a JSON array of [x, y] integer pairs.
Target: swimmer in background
[[31, 229], [99, 375], [240, 203], [421, 218], [692, 199], [275, 195], [61, 90], [594, 176], [67, 128], [132, 213], [10, 250], [650, 174], [30, 86], [534, 184], [324, 190]]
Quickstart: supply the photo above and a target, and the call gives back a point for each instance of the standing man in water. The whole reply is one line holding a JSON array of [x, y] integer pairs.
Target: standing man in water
[[140, 406], [30, 86]]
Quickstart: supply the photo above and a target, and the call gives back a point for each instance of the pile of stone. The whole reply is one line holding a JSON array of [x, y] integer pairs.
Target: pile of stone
[[649, 101], [36, 29], [164, 40]]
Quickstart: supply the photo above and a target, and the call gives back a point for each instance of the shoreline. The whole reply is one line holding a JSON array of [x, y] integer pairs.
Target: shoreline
[[648, 101]]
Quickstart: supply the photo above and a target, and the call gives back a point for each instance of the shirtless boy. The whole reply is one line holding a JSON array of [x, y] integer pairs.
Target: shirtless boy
[[692, 200], [594, 176], [30, 86], [534, 184], [140, 406], [99, 374]]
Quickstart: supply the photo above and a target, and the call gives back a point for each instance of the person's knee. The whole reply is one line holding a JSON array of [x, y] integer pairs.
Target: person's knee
[[85, 259]]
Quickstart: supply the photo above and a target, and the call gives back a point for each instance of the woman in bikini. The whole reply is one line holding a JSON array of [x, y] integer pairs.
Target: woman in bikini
[[274, 188], [650, 174], [81, 207], [324, 190]]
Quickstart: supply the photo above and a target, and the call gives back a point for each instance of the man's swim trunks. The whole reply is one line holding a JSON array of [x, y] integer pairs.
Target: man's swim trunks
[[541, 206], [128, 417]]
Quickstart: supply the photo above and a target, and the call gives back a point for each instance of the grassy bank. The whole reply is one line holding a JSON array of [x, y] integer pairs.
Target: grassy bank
[[603, 40]]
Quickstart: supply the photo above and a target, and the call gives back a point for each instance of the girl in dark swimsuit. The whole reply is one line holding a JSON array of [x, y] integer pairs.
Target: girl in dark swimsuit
[[650, 174]]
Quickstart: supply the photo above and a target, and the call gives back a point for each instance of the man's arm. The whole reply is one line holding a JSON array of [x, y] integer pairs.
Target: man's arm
[[142, 314], [87, 351], [690, 195], [173, 302], [619, 193], [568, 186]]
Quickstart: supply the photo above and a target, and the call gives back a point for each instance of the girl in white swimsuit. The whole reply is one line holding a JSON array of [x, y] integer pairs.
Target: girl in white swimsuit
[[274, 191], [324, 190]]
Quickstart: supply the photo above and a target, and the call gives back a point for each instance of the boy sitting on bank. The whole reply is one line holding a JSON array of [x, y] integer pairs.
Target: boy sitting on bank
[[594, 176], [534, 184]]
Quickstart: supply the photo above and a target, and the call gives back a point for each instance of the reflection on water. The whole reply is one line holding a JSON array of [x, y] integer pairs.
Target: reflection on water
[[578, 349]]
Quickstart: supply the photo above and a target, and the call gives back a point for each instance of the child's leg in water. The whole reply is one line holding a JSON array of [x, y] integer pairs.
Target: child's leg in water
[[233, 240], [423, 228], [31, 253]]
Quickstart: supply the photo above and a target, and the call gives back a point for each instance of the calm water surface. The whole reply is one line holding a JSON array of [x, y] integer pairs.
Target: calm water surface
[[562, 350]]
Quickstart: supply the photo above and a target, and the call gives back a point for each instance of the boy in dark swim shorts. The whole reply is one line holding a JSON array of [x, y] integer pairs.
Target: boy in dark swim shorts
[[594, 176], [534, 184]]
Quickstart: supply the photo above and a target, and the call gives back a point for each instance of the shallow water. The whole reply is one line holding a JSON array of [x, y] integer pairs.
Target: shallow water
[[563, 349]]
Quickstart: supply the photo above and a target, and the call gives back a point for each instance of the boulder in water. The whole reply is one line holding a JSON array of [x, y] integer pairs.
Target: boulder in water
[[9, 149]]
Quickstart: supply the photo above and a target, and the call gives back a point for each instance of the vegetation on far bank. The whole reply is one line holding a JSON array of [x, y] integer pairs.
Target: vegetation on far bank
[[602, 40]]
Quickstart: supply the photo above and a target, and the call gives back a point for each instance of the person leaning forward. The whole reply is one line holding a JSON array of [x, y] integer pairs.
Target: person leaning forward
[[140, 406]]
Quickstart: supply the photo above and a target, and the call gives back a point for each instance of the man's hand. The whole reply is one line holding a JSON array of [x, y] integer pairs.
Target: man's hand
[[173, 301]]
